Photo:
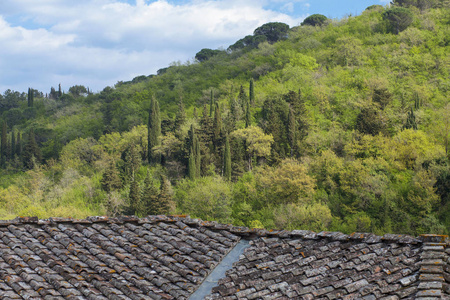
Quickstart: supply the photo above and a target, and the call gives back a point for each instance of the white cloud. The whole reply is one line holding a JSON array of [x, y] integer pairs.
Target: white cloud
[[98, 42]]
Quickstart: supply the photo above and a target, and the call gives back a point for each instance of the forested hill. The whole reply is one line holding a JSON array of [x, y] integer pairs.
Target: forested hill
[[339, 125]]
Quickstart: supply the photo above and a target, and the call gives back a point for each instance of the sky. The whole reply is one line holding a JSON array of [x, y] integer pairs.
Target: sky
[[97, 43]]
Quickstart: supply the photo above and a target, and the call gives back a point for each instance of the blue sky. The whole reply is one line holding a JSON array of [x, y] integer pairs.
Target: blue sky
[[99, 42]]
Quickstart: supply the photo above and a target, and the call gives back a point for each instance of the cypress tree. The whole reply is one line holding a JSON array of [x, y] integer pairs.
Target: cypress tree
[[149, 197], [410, 121], [59, 91], [31, 153], [242, 98], [198, 156], [217, 125], [30, 97], [180, 117], [18, 144], [192, 168], [227, 160], [292, 130], [154, 130], [247, 115], [251, 92], [110, 179], [13, 144], [4, 144], [134, 196], [211, 104], [164, 197]]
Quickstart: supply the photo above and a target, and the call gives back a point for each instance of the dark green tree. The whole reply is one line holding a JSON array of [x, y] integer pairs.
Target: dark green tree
[[18, 144], [165, 197], [110, 179], [217, 126], [410, 121], [292, 130], [150, 197], [13, 144], [132, 162], [227, 160], [242, 98], [398, 19], [154, 131], [31, 154], [273, 31], [30, 97], [211, 104], [315, 20], [382, 97], [251, 92], [136, 206], [180, 117], [248, 116], [369, 121], [59, 91], [192, 168], [206, 54], [4, 145]]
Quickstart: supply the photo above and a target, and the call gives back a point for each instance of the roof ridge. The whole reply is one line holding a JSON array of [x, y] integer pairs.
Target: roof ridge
[[243, 232]]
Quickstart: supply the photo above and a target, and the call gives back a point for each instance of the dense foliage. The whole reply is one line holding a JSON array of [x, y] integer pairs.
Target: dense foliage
[[343, 126]]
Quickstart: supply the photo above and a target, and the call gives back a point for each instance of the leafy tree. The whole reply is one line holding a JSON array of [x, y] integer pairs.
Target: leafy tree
[[398, 18], [78, 90], [273, 31], [370, 121], [257, 142], [382, 97], [249, 42], [208, 198], [314, 20], [205, 54]]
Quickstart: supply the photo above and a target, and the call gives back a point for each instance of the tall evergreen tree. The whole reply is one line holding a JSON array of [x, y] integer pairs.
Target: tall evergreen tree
[[247, 115], [242, 98], [227, 160], [59, 91], [251, 92], [136, 206], [13, 144], [192, 168], [211, 104], [4, 144], [110, 179], [154, 131], [217, 126], [30, 97], [292, 130], [180, 117], [164, 197], [18, 144], [410, 121], [150, 197], [31, 153]]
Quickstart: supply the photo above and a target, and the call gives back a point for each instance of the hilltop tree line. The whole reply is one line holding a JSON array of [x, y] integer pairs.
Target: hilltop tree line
[[312, 127]]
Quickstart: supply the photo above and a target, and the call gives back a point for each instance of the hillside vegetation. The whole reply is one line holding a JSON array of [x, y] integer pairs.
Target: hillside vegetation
[[339, 125]]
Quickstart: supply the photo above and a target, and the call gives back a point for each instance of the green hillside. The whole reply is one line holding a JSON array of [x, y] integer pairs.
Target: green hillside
[[339, 125]]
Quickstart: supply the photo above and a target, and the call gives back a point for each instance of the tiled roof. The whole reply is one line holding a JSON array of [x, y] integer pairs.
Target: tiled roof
[[161, 257]]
